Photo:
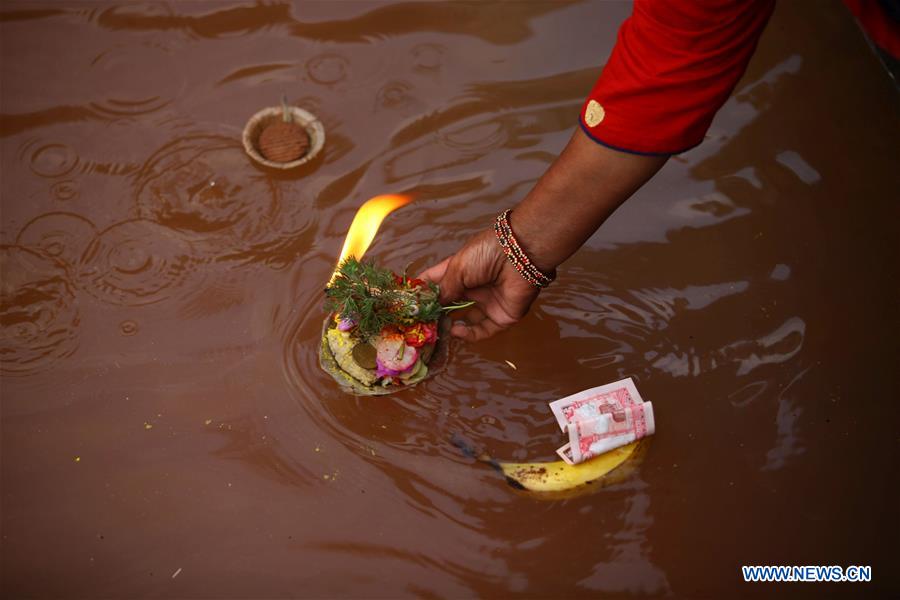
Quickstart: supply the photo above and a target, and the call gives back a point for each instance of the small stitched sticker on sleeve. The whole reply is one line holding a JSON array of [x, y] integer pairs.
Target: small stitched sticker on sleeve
[[594, 113]]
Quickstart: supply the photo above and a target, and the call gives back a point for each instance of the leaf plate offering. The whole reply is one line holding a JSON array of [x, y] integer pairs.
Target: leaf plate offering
[[382, 331]]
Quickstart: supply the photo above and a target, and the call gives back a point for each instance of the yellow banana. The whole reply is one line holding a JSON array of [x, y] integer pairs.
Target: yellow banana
[[553, 479], [559, 476]]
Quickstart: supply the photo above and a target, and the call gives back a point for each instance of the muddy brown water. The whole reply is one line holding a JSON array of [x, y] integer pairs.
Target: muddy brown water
[[166, 431]]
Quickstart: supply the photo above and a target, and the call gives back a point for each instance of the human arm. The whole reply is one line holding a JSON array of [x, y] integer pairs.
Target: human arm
[[579, 191], [675, 63]]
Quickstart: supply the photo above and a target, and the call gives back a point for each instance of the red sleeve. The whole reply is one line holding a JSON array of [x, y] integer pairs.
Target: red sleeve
[[882, 27], [674, 65]]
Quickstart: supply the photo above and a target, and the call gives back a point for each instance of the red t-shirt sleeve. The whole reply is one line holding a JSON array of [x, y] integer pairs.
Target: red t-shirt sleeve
[[674, 64]]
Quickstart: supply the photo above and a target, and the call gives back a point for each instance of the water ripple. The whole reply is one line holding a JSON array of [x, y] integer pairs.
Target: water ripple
[[428, 57], [204, 187], [49, 159], [328, 68], [124, 75], [58, 235], [135, 262], [65, 190], [38, 312]]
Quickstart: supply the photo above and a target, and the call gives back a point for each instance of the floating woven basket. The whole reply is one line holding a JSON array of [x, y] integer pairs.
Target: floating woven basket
[[263, 118]]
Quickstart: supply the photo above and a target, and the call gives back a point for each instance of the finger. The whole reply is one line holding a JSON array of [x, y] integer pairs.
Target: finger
[[452, 287], [435, 273], [473, 314], [460, 330], [493, 311], [489, 306], [477, 331]]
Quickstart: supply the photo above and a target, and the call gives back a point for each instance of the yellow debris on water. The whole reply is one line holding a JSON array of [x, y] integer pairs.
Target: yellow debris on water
[[148, 426], [77, 459], [207, 422], [511, 364]]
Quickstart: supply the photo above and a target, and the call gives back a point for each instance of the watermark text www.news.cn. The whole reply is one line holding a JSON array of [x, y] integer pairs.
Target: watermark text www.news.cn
[[808, 573]]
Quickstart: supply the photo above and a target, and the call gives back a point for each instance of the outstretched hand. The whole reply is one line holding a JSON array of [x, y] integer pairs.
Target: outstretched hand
[[582, 187], [481, 272]]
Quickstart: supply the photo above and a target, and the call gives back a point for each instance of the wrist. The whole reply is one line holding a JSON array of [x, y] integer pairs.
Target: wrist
[[574, 197], [517, 257], [532, 242]]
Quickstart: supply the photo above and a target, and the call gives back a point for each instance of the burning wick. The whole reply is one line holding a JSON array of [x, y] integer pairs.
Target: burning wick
[[365, 225]]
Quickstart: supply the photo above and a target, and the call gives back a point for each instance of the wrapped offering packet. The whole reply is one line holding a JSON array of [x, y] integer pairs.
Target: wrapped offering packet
[[601, 419]]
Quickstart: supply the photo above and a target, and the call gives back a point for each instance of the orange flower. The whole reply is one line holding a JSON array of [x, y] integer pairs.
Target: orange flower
[[411, 282], [420, 334]]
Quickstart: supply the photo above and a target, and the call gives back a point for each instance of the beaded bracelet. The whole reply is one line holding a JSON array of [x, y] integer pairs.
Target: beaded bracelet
[[517, 256]]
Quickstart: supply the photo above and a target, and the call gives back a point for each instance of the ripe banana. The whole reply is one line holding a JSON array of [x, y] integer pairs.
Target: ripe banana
[[559, 476], [555, 477]]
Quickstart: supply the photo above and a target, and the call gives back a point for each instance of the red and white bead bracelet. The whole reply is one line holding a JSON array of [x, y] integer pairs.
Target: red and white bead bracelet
[[517, 256]]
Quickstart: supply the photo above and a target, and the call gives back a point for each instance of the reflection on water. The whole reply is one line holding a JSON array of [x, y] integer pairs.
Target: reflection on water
[[135, 262], [199, 186], [58, 235], [629, 568], [38, 311], [163, 409], [131, 75]]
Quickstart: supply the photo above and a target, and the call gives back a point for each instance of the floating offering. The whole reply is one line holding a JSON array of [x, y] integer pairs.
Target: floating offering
[[605, 424], [283, 137], [283, 141], [561, 479], [382, 328], [602, 419]]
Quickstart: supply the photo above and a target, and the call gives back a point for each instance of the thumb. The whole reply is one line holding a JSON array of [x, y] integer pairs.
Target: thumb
[[435, 273], [451, 282]]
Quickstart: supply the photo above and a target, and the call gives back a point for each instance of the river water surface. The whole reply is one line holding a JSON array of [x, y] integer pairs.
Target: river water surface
[[166, 430]]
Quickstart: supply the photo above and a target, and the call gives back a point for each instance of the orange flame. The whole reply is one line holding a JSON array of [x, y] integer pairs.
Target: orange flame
[[366, 222]]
